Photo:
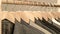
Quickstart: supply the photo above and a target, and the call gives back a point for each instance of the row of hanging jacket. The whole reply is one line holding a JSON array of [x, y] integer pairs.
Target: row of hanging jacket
[[37, 27]]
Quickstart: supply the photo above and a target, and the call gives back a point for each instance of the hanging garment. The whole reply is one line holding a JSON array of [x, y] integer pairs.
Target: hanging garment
[[56, 23], [18, 29], [54, 28], [29, 29], [40, 23], [53, 23], [39, 28], [7, 27]]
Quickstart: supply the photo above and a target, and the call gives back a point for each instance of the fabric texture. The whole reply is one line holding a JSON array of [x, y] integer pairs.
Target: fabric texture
[[7, 27]]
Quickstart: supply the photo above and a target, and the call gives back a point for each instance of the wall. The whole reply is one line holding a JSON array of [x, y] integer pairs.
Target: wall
[[58, 2], [10, 7]]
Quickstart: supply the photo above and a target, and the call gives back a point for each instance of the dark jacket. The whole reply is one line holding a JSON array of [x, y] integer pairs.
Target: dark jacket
[[7, 27]]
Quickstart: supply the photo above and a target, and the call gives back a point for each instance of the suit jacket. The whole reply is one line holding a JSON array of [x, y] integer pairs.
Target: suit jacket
[[18, 28], [7, 27]]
